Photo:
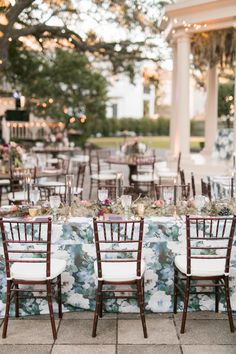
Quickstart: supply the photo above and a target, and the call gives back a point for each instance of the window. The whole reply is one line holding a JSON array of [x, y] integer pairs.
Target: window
[[114, 108], [146, 89]]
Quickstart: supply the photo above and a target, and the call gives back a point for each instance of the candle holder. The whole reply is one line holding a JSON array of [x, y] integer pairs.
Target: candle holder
[[28, 184], [69, 189]]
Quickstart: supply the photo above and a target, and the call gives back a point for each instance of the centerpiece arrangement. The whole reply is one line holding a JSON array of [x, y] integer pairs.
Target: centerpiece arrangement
[[134, 148], [11, 153]]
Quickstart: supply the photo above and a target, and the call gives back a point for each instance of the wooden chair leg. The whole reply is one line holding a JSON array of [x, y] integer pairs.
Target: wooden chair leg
[[229, 310], [140, 286], [216, 296], [49, 297], [16, 301], [186, 298], [97, 309], [8, 301], [59, 296], [101, 304], [175, 290]]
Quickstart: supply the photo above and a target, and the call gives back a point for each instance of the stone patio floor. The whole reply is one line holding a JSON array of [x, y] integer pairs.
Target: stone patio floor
[[206, 333]]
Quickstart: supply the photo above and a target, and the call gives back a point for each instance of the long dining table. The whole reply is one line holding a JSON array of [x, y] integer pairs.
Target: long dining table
[[164, 238]]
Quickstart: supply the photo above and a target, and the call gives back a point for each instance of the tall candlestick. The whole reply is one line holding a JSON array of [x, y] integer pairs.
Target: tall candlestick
[[232, 186], [234, 161], [28, 182], [69, 188], [175, 192]]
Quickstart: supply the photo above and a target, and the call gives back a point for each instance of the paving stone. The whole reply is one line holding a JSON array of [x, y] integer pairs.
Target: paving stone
[[209, 349], [87, 315], [203, 315], [136, 316], [25, 349], [80, 332], [28, 332], [84, 349], [160, 331], [149, 349], [206, 332]]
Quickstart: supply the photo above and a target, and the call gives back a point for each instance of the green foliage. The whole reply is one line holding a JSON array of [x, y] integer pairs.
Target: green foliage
[[62, 86], [225, 91], [143, 126], [214, 47], [197, 127]]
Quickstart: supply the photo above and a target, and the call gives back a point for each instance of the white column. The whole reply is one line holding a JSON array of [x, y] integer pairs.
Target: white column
[[211, 110], [234, 109], [182, 94], [174, 133]]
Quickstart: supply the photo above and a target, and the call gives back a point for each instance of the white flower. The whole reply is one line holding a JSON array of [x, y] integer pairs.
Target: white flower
[[90, 250], [67, 281], [159, 302], [206, 303], [151, 279], [78, 300], [126, 307]]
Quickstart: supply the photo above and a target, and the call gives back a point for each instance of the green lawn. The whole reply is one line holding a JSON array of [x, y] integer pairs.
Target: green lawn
[[151, 141]]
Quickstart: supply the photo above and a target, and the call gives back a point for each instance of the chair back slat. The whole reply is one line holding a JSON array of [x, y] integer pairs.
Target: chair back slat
[[209, 238], [23, 238], [118, 241]]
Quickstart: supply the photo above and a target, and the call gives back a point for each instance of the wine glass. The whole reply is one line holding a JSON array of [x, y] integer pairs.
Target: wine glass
[[126, 201], [55, 202], [34, 196], [102, 195], [199, 202]]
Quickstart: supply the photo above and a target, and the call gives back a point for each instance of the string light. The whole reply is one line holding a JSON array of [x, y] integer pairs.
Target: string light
[[10, 39]]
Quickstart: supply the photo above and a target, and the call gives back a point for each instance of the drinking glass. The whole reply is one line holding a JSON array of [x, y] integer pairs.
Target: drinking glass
[[55, 202], [102, 195], [126, 201], [199, 202], [34, 196]]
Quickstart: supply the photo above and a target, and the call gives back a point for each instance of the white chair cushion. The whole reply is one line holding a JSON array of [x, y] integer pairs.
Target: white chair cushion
[[167, 174], [4, 182], [18, 196], [119, 271], [201, 267], [104, 176], [37, 271], [143, 178]]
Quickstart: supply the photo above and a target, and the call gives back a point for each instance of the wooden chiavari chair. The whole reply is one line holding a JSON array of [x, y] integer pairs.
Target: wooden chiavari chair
[[27, 251], [206, 189], [18, 183], [204, 235], [51, 188], [119, 262], [144, 181], [182, 192], [99, 173]]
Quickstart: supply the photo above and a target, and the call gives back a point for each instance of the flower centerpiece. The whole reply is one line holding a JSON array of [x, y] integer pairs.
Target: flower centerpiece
[[133, 148], [57, 136], [11, 153]]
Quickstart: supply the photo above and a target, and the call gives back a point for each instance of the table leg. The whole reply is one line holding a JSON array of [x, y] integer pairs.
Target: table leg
[[132, 171]]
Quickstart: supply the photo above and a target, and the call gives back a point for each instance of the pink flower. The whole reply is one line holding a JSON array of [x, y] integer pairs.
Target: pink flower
[[159, 203], [84, 203], [107, 202]]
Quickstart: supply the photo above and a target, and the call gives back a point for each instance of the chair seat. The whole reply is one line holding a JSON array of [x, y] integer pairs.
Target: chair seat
[[167, 174], [17, 197], [143, 178], [37, 271], [201, 267], [103, 176], [119, 271], [4, 182]]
